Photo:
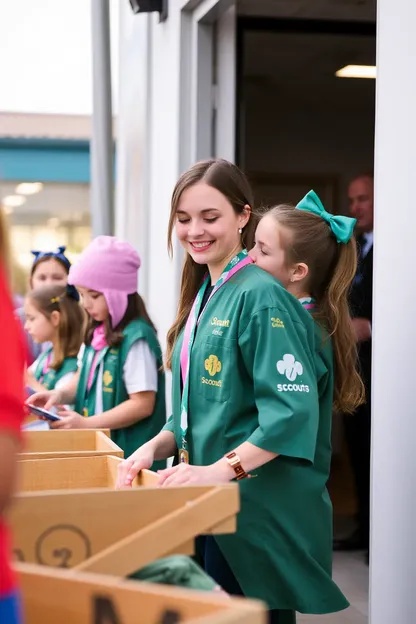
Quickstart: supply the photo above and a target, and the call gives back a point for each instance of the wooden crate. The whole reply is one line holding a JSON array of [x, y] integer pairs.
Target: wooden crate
[[51, 596], [74, 473], [118, 531], [67, 443]]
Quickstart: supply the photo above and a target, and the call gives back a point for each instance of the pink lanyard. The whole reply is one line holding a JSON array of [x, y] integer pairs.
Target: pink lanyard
[[98, 343]]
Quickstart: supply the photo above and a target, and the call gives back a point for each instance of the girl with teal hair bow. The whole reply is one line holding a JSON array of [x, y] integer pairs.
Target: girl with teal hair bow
[[313, 254]]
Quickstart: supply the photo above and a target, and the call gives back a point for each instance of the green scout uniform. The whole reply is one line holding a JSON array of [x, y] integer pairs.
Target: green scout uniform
[[256, 375], [115, 392], [52, 376]]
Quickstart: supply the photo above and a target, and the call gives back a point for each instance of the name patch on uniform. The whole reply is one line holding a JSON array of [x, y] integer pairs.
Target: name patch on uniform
[[217, 332], [220, 323], [276, 322], [212, 382]]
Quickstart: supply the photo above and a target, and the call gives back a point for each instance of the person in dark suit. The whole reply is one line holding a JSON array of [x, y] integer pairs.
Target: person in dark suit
[[358, 425]]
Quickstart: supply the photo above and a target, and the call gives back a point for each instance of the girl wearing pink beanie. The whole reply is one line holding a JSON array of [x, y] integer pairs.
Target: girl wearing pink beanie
[[120, 384]]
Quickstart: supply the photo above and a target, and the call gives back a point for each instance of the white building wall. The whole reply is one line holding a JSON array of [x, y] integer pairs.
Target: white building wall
[[393, 541], [149, 152]]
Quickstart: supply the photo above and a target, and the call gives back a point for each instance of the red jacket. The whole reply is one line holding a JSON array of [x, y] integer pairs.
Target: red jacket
[[12, 363]]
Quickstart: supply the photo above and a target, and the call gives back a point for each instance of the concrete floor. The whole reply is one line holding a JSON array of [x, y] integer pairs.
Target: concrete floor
[[351, 575]]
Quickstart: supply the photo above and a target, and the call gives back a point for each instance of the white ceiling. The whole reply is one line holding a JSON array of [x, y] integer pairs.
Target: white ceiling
[[354, 10]]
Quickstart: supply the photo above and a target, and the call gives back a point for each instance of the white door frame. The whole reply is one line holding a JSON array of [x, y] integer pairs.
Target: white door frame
[[207, 28]]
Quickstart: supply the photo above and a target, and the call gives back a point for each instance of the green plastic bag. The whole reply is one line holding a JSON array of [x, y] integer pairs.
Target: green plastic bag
[[177, 570]]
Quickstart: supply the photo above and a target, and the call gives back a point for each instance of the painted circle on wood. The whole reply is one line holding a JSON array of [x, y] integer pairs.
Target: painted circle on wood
[[62, 546]]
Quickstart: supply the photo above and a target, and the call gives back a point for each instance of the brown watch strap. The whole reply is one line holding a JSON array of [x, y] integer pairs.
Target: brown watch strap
[[234, 461]]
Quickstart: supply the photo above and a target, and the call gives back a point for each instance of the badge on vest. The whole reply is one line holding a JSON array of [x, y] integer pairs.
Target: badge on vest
[[213, 366], [107, 381]]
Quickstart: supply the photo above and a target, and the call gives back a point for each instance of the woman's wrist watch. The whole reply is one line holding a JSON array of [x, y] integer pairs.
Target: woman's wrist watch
[[235, 463]]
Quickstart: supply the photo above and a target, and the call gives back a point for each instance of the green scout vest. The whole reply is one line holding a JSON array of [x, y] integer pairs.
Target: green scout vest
[[258, 375], [115, 392], [52, 376]]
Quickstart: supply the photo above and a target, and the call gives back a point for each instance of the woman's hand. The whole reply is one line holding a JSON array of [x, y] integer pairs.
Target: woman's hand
[[185, 474], [69, 420], [46, 399], [141, 459]]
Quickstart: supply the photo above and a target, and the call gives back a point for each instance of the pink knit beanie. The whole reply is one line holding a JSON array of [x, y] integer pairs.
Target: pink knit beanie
[[109, 266]]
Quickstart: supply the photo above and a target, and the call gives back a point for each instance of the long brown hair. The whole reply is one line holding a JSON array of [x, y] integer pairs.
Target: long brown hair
[[332, 267], [136, 309], [48, 299], [229, 180]]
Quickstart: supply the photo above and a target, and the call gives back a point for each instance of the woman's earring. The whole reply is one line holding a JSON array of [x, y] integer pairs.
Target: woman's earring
[[240, 231]]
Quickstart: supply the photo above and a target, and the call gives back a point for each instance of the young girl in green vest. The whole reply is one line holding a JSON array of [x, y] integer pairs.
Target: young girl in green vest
[[252, 397], [49, 268], [120, 383], [53, 315]]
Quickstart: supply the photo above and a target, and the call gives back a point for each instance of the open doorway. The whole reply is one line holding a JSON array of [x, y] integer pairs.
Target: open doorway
[[300, 127]]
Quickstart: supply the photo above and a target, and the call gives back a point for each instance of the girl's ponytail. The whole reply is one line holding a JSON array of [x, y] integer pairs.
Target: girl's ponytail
[[332, 267], [334, 310]]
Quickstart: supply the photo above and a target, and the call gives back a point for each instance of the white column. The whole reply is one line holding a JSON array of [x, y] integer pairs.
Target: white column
[[132, 215], [393, 531], [102, 186], [226, 71]]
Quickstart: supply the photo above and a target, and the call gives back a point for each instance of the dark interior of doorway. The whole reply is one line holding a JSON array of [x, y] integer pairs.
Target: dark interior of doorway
[[300, 127]]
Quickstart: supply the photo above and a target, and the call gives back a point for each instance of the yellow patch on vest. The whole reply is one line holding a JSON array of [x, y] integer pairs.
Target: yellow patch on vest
[[107, 378], [213, 365]]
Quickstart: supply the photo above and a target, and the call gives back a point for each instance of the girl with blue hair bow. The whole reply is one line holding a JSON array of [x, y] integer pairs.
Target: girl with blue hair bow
[[49, 268]]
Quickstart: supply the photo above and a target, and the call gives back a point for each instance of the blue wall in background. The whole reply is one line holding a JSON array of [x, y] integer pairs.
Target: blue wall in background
[[44, 160]]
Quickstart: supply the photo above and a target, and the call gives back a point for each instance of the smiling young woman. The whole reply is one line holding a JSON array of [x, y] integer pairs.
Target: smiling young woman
[[245, 404]]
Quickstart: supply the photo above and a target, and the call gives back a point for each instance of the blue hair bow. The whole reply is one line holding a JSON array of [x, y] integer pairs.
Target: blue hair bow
[[71, 291], [342, 227], [59, 255]]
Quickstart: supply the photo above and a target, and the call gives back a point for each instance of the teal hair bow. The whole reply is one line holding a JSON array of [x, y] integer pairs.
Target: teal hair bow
[[342, 227]]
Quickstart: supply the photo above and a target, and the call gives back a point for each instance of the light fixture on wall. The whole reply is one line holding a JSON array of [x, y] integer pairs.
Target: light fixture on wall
[[29, 188], [357, 71], [13, 201], [150, 6]]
